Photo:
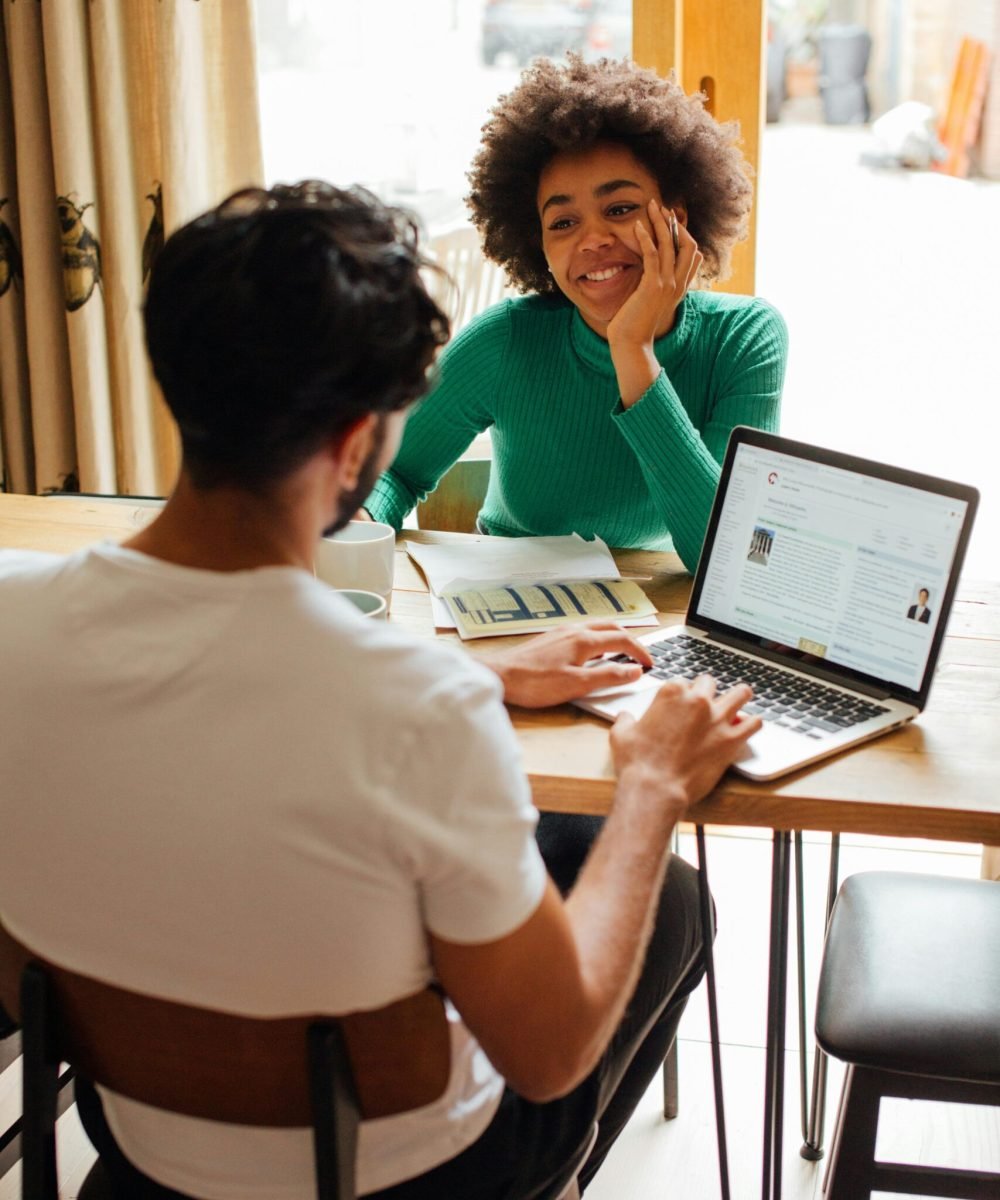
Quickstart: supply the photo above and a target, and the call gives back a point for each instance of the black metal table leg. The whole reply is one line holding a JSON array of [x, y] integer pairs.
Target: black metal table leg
[[708, 925], [800, 962], [774, 1085], [812, 1144]]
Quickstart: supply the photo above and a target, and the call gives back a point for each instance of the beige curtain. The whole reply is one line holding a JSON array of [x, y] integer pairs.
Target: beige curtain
[[119, 119]]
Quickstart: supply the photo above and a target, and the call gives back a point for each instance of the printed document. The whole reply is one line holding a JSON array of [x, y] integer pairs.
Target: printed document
[[506, 573]]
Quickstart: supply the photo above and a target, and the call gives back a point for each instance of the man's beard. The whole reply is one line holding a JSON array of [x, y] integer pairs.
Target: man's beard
[[351, 501]]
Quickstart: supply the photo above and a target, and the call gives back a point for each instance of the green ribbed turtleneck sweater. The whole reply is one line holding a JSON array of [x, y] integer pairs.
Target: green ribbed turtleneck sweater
[[567, 457]]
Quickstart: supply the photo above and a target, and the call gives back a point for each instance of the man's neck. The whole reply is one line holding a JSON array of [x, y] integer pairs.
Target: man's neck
[[230, 529]]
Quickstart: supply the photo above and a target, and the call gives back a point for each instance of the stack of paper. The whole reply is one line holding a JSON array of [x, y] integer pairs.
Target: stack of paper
[[491, 586]]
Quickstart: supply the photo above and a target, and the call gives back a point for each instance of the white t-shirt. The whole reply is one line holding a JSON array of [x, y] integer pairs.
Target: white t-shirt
[[233, 790]]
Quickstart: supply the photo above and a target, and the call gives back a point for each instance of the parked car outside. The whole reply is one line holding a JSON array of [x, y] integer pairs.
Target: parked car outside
[[525, 29], [609, 34]]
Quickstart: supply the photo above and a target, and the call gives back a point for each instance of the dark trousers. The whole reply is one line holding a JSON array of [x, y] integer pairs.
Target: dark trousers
[[526, 1147]]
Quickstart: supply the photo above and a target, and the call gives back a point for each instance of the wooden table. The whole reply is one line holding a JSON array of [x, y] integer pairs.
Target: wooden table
[[936, 778]]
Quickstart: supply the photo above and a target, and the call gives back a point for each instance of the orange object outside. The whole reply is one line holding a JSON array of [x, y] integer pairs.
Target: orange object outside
[[959, 127]]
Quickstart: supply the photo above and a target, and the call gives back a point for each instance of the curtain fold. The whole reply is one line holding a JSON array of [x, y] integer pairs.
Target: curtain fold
[[15, 415], [119, 120]]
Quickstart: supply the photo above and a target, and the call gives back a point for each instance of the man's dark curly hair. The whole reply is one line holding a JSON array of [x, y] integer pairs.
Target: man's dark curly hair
[[576, 105], [278, 319]]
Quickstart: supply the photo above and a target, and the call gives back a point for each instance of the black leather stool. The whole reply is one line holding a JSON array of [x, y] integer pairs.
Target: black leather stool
[[909, 997]]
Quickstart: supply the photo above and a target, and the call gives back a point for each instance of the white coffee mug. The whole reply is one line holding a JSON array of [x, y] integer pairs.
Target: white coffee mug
[[369, 604], [361, 555]]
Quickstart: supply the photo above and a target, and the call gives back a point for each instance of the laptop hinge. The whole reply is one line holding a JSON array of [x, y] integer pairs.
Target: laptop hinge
[[866, 689]]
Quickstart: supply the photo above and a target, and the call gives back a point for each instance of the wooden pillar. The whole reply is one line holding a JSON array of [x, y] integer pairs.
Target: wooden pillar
[[718, 47], [658, 34]]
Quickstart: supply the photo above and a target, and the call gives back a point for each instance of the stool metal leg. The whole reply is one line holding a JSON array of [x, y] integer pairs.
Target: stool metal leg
[[708, 925], [774, 1086], [671, 1102], [852, 1162], [812, 1145]]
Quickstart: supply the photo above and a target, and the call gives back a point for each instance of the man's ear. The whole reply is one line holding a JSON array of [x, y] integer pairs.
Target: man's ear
[[352, 448]]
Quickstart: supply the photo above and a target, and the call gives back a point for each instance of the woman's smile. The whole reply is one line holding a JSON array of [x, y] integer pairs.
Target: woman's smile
[[601, 291], [603, 275]]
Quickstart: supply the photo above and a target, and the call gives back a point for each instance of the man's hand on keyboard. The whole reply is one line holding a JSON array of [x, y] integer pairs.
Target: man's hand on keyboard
[[552, 668], [685, 739]]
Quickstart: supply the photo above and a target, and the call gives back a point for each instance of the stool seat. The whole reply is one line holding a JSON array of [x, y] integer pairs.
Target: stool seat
[[909, 999], [914, 968]]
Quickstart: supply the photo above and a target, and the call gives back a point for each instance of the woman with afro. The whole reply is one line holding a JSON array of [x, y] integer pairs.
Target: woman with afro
[[611, 386]]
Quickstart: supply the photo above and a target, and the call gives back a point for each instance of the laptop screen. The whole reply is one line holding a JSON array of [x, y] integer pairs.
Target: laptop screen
[[832, 560]]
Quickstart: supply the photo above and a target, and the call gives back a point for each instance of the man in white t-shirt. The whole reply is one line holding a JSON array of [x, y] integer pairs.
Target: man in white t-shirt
[[222, 785]]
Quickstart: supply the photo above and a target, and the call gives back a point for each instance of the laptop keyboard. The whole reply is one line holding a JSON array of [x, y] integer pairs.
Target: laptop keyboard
[[793, 701]]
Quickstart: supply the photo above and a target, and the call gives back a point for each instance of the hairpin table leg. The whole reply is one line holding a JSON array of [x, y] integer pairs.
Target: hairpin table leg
[[774, 1085], [708, 925]]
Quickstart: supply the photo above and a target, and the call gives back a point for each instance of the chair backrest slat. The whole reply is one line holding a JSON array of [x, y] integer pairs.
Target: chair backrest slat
[[40, 1088], [233, 1068], [470, 282], [455, 503]]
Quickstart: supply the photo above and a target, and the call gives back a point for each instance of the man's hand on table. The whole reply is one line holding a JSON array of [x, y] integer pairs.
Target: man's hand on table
[[551, 668]]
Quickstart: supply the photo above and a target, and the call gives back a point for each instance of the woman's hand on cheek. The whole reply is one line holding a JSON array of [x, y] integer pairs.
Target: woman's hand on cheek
[[689, 259], [650, 310], [643, 314]]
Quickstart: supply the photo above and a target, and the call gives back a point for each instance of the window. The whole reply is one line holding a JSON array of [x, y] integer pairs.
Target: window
[[393, 93]]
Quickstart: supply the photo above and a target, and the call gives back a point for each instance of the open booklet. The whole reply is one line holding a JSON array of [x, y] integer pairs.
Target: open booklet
[[491, 586]]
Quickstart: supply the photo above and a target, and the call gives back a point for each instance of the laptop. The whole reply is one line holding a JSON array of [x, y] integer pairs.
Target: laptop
[[825, 582]]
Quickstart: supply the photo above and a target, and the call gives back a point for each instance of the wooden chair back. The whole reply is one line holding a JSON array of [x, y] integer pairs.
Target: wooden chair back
[[455, 502], [320, 1071], [470, 282]]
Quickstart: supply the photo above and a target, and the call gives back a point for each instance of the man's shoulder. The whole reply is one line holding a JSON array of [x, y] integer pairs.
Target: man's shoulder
[[26, 584], [397, 671], [27, 565]]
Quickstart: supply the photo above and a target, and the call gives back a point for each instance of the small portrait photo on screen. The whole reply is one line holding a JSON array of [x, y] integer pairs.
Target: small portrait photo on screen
[[920, 610]]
